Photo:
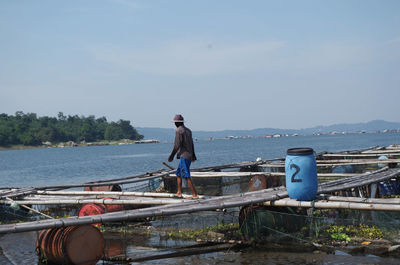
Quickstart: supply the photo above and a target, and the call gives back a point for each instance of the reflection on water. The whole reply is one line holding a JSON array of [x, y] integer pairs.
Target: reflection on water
[[19, 248]]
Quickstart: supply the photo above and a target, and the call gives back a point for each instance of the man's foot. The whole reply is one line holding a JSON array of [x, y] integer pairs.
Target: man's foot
[[196, 197], [178, 196]]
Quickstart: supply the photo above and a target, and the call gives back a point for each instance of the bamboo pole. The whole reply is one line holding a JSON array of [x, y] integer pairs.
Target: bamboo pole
[[113, 193], [350, 180], [357, 161], [396, 151], [249, 174], [186, 207], [103, 181], [360, 200], [222, 202], [236, 165], [358, 181], [98, 201], [326, 163], [357, 155], [29, 208], [334, 205]]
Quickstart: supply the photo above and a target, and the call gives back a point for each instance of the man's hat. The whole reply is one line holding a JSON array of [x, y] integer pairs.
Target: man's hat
[[178, 118]]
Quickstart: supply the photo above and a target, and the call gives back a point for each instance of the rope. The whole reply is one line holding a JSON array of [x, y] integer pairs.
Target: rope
[[279, 232]]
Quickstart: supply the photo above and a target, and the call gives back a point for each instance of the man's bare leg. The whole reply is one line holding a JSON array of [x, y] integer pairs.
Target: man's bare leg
[[192, 189], [179, 184]]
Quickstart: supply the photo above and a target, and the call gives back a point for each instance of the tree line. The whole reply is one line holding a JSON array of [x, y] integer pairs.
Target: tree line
[[28, 129]]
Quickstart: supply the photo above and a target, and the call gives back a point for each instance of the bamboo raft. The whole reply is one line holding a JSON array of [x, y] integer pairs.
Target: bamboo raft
[[211, 204], [163, 204]]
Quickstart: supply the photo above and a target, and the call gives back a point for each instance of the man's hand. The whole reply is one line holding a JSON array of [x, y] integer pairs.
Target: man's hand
[[170, 158]]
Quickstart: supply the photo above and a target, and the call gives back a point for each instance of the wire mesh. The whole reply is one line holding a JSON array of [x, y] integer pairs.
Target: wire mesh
[[288, 223]]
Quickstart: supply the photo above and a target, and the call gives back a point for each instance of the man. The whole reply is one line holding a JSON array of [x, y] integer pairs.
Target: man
[[184, 148]]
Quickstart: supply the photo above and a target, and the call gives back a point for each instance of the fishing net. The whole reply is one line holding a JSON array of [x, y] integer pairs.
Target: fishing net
[[285, 224], [9, 214]]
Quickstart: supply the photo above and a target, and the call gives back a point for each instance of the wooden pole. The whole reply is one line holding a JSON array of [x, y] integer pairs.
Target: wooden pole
[[185, 252], [168, 166]]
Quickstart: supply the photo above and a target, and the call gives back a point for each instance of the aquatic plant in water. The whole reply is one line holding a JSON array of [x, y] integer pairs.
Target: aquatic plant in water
[[342, 232]]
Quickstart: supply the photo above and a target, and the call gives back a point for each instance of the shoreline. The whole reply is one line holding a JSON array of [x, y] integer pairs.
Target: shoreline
[[82, 144]]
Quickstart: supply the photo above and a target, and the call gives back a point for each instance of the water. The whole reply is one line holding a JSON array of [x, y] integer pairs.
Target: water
[[56, 166]]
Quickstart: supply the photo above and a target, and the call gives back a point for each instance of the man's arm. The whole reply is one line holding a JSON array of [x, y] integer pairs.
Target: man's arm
[[176, 147], [194, 158]]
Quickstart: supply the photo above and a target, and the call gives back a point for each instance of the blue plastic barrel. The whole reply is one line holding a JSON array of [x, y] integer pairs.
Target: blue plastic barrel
[[382, 165], [301, 174]]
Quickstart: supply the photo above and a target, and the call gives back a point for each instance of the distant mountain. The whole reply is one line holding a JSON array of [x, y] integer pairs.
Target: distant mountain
[[376, 125], [164, 134]]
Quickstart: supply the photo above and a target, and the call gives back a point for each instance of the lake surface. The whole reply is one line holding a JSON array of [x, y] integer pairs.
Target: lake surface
[[56, 166]]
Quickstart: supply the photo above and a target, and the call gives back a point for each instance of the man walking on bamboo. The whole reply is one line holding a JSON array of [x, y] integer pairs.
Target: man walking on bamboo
[[184, 150]]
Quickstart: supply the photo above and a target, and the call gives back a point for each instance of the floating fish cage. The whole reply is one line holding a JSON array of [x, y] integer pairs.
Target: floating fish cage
[[251, 195], [10, 214], [315, 226]]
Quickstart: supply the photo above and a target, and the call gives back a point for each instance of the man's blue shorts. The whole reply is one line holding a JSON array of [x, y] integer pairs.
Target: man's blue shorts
[[183, 170]]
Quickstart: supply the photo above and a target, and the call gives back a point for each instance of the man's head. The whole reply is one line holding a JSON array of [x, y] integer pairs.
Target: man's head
[[178, 119]]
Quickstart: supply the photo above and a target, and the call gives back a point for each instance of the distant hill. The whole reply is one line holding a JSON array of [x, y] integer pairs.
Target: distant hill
[[164, 134], [376, 125]]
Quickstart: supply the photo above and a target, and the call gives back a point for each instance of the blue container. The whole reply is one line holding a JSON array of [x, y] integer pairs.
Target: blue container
[[301, 174]]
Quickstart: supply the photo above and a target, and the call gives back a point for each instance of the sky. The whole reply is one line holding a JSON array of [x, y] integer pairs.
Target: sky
[[221, 64]]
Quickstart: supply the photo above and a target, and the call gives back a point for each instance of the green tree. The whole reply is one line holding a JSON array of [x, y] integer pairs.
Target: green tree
[[28, 129]]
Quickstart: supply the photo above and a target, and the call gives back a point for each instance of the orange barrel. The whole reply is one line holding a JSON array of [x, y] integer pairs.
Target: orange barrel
[[113, 207], [113, 187], [95, 209], [257, 182], [92, 209], [83, 245], [261, 181]]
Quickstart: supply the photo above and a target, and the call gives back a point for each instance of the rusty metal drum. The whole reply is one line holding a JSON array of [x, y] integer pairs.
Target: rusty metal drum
[[82, 245]]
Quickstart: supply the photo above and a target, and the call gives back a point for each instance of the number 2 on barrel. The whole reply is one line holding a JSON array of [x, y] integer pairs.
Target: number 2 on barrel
[[295, 173]]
